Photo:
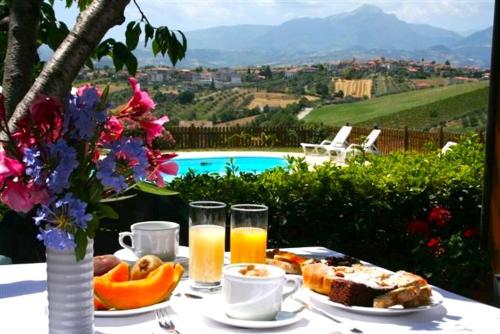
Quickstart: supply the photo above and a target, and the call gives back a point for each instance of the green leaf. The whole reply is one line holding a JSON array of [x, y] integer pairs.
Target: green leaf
[[152, 189], [149, 32], [184, 42], [69, 3], [92, 226], [81, 244], [89, 63], [120, 55], [105, 211], [104, 98], [155, 47], [104, 48], [131, 64], [132, 34]]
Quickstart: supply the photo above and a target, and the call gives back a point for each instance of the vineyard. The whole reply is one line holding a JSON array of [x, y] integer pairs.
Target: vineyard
[[356, 88], [217, 106], [374, 110], [385, 85], [467, 107]]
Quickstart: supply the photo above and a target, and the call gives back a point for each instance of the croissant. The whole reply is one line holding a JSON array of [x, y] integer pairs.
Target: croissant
[[318, 277]]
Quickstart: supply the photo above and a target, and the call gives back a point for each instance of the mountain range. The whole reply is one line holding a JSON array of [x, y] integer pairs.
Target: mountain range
[[366, 32]]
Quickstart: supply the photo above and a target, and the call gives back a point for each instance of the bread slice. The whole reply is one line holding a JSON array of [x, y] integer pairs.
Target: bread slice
[[289, 268]]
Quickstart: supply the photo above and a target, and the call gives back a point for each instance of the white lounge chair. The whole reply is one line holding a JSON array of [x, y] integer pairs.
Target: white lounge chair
[[368, 146], [340, 142], [448, 147]]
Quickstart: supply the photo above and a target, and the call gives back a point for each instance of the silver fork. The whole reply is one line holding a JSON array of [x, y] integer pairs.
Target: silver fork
[[164, 320]]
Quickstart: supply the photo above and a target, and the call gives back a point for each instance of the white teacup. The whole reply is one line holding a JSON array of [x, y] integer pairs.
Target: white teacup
[[160, 238], [255, 298]]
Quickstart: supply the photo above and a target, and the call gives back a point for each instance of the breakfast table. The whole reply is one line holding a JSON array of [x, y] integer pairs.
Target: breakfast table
[[23, 309]]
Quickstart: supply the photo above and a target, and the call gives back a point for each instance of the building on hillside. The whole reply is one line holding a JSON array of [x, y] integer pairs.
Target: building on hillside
[[197, 124], [157, 75], [226, 78], [292, 72], [202, 78], [184, 75]]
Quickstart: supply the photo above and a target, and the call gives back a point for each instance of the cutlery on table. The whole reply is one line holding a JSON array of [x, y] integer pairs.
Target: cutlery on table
[[326, 314], [164, 320]]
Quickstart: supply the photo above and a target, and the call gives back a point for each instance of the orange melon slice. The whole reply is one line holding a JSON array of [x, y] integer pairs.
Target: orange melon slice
[[155, 288]]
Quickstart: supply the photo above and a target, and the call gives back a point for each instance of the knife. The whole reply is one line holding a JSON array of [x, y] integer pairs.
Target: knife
[[326, 314]]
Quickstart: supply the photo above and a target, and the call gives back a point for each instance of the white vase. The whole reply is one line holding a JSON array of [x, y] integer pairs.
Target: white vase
[[70, 291]]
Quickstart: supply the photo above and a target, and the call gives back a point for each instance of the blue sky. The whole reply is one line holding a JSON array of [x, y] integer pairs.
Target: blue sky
[[459, 15]]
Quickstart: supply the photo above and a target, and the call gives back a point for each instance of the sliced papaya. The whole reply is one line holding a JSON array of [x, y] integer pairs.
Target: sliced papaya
[[119, 273], [156, 287]]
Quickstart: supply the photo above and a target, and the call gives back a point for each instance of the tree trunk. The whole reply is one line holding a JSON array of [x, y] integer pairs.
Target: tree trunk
[[21, 51], [60, 71]]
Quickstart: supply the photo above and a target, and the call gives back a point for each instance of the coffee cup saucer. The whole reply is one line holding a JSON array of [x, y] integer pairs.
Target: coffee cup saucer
[[217, 314], [128, 256]]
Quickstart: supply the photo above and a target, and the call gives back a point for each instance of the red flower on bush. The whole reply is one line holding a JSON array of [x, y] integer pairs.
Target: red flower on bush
[[470, 232], [433, 243], [418, 227], [440, 216]]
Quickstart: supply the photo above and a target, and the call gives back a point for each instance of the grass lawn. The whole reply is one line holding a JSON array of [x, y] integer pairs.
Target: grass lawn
[[359, 112]]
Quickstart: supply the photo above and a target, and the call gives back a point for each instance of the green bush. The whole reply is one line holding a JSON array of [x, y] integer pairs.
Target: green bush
[[381, 209]]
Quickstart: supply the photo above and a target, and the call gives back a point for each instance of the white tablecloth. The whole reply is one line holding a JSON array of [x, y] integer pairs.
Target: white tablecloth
[[23, 310]]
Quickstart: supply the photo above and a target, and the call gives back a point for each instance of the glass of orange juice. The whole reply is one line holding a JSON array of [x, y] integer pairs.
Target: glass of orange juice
[[248, 233], [207, 230]]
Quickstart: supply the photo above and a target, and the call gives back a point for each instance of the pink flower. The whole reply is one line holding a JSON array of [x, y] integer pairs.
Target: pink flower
[[439, 215], [154, 128], [16, 196], [140, 102], [113, 130], [21, 197], [9, 167], [45, 119], [419, 227], [160, 164]]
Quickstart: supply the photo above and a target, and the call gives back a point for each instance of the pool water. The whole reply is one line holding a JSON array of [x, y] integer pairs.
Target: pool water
[[218, 164]]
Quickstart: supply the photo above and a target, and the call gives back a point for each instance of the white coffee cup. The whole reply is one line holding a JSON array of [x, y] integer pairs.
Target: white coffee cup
[[160, 238], [255, 298]]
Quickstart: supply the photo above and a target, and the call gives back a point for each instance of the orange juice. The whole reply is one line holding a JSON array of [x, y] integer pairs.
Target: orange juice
[[206, 253], [248, 244]]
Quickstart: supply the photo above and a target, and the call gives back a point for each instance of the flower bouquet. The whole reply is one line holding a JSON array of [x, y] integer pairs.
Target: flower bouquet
[[64, 161], [66, 157]]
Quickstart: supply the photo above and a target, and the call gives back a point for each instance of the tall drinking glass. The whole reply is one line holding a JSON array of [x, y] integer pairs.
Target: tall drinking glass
[[248, 233], [207, 229]]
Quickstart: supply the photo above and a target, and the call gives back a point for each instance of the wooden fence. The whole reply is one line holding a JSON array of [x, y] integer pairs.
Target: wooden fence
[[268, 137]]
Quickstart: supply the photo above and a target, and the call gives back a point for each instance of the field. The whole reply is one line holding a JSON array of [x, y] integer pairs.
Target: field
[[463, 107], [366, 111], [261, 99], [357, 88]]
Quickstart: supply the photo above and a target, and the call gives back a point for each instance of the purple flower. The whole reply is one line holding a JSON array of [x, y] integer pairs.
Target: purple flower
[[57, 239], [64, 157], [127, 157], [33, 164], [62, 218], [82, 119]]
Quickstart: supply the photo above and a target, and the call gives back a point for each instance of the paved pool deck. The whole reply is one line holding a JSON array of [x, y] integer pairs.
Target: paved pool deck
[[312, 160]]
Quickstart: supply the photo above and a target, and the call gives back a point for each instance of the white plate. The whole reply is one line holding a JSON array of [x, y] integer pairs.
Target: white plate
[[217, 314], [129, 256], [125, 313], [436, 300]]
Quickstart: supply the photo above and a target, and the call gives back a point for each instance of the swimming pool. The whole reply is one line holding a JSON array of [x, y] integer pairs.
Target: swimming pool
[[218, 164]]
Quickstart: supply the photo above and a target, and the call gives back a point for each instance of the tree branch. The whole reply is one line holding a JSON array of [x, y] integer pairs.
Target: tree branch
[[21, 51], [60, 71]]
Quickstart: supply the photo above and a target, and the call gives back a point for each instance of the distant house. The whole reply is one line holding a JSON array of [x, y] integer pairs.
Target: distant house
[[202, 78], [226, 78], [196, 124], [292, 72], [159, 74]]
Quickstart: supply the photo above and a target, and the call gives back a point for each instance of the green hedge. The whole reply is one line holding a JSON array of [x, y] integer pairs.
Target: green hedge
[[378, 208]]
